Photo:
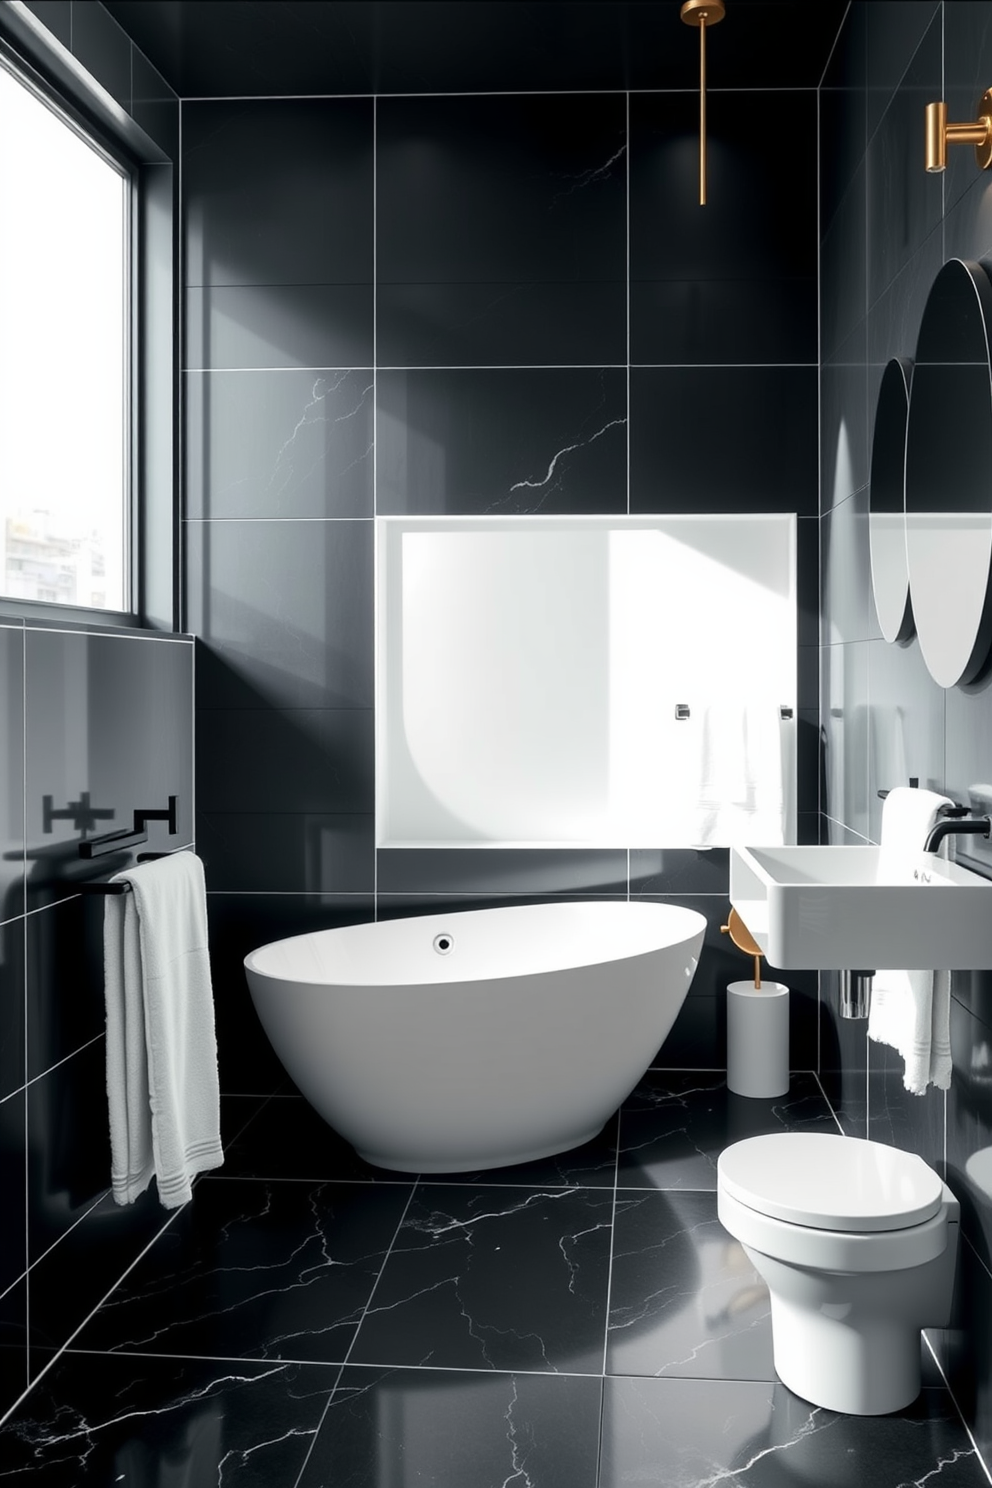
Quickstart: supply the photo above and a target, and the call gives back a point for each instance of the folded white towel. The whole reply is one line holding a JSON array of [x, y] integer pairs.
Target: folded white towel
[[911, 1010], [162, 1084]]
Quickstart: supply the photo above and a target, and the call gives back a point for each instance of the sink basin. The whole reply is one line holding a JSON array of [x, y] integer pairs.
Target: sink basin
[[861, 908]]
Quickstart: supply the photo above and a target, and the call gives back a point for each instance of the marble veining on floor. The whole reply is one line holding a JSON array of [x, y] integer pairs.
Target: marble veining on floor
[[582, 1322]]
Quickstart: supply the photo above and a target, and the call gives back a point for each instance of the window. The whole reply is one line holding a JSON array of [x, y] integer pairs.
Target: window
[[64, 363]]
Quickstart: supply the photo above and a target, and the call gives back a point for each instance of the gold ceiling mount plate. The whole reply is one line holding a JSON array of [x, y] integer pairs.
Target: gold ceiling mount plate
[[940, 134], [702, 14]]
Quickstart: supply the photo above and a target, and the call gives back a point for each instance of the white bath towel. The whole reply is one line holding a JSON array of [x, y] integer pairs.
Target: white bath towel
[[910, 1010], [739, 792], [162, 1084]]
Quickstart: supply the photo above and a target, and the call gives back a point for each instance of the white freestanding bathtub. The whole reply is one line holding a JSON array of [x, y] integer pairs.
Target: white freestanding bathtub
[[470, 1040]]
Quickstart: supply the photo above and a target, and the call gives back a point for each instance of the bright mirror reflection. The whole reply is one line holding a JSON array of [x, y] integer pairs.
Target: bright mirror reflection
[[63, 360], [597, 681]]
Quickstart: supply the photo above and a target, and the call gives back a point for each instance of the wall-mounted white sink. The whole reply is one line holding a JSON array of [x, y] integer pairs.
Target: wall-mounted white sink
[[861, 908]]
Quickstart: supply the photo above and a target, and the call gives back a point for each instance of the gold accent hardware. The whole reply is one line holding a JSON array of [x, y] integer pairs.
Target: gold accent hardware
[[744, 941], [702, 13], [940, 134]]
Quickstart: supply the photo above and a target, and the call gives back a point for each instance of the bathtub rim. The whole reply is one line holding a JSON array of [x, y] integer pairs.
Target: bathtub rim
[[693, 923]]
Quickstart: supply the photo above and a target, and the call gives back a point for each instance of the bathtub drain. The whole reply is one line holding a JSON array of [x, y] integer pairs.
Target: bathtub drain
[[444, 943]]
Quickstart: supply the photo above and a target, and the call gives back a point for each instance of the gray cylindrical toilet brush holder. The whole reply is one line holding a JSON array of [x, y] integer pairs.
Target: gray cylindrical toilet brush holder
[[758, 1038]]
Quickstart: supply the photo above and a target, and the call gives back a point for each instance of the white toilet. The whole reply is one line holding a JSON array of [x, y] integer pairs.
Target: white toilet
[[857, 1244]]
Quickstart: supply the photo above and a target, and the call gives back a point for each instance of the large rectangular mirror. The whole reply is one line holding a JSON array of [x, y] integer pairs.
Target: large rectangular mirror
[[600, 681]]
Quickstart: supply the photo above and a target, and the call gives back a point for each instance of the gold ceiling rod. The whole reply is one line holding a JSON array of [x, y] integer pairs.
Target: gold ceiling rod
[[702, 13], [940, 134]]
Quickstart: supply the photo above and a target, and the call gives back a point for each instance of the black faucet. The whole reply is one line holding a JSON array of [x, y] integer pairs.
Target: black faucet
[[973, 826]]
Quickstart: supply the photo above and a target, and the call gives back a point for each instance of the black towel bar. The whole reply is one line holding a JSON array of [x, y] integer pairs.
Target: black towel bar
[[95, 847], [106, 886]]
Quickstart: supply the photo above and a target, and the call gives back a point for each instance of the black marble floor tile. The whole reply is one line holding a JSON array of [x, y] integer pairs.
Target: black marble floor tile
[[592, 1165], [685, 1301], [458, 1430], [742, 1434], [494, 1278], [101, 1420], [288, 1139], [677, 1122], [256, 1270]]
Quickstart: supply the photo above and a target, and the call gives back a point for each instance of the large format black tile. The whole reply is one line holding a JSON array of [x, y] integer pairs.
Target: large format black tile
[[502, 871], [676, 1123], [96, 1419], [548, 440], [279, 326], [494, 1278], [278, 191], [288, 1139], [501, 230], [315, 761], [453, 1429], [13, 1232], [685, 1301], [848, 612], [12, 1006], [905, 202], [14, 1378], [969, 1126], [906, 724], [68, 1145], [109, 729], [680, 870], [279, 444], [12, 779], [843, 110], [895, 30], [73, 1277], [256, 1270], [283, 611], [736, 282], [843, 269], [764, 460], [307, 852], [844, 433], [899, 1117], [694, 1433], [844, 726], [64, 962]]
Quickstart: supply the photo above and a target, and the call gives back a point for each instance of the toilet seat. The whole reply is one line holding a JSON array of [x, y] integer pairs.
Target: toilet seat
[[831, 1202]]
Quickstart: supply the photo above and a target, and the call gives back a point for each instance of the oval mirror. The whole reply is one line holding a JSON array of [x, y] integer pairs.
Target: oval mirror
[[887, 504], [949, 475]]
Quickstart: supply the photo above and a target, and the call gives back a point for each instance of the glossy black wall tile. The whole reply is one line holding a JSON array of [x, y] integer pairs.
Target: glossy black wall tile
[[12, 868], [311, 852], [845, 438], [250, 220], [283, 611], [764, 459], [279, 444], [286, 761], [279, 326], [64, 978], [154, 105], [736, 282], [895, 30], [501, 230], [13, 1232], [510, 871], [550, 440], [843, 111], [904, 200], [68, 1146]]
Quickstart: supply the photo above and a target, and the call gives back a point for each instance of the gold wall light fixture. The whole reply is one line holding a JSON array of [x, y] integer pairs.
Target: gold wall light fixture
[[702, 13], [940, 134]]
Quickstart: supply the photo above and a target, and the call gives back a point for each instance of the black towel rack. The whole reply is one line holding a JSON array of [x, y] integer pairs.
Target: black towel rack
[[95, 847], [106, 887]]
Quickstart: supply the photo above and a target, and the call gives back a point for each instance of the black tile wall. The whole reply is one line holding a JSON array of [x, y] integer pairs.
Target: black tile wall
[[884, 718], [100, 723], [558, 329]]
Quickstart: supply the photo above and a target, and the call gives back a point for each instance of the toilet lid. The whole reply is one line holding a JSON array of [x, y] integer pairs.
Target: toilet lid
[[830, 1182]]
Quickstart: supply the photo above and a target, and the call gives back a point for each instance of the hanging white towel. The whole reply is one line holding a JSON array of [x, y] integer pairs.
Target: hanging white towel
[[739, 794], [162, 1084], [911, 1010]]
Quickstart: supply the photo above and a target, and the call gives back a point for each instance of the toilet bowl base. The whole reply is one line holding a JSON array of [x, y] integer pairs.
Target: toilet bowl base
[[868, 1366]]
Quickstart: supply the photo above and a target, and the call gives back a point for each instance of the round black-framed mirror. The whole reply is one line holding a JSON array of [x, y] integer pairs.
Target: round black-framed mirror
[[949, 475], [887, 503]]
